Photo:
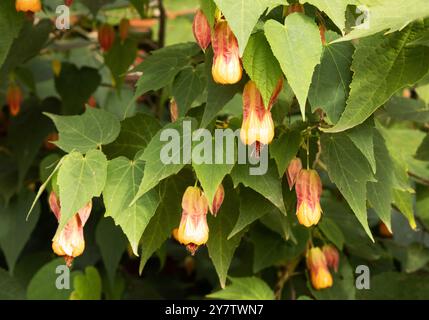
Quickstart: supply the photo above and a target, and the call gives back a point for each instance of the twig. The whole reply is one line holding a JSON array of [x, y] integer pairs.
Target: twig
[[162, 24]]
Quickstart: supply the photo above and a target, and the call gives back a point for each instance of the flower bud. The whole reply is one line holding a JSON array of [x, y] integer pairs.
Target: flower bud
[[193, 229], [308, 191], [174, 110], [28, 5], [258, 125], [14, 99], [226, 61], [48, 143], [332, 256], [218, 200], [106, 37], [92, 102], [69, 242], [384, 231], [124, 28], [56, 67], [293, 170], [201, 29], [68, 3], [320, 276]]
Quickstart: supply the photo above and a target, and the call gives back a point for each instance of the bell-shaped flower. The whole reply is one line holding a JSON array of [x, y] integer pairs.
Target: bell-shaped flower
[[308, 191], [332, 256], [320, 276], [258, 125], [69, 242], [201, 30], [106, 36], [193, 229], [14, 99], [28, 5], [218, 200], [293, 170], [226, 67]]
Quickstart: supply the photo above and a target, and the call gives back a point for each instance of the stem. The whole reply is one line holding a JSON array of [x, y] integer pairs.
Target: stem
[[308, 152], [162, 24], [286, 272]]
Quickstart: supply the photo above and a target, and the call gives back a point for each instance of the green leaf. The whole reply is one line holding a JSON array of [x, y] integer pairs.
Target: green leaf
[[95, 5], [378, 76], [211, 174], [17, 230], [221, 247], [397, 286], [297, 58], [403, 200], [10, 24], [135, 135], [75, 86], [112, 243], [160, 68], [217, 95], [87, 286], [405, 109], [28, 131], [380, 193], [165, 159], [331, 79], [335, 9], [363, 138], [80, 178], [423, 91], [119, 58], [284, 149], [88, 131], [350, 171], [10, 287], [423, 150], [43, 284], [242, 17], [271, 249], [267, 185], [209, 9], [167, 216], [251, 288], [382, 15], [252, 207], [187, 87], [331, 230], [261, 66], [122, 183]]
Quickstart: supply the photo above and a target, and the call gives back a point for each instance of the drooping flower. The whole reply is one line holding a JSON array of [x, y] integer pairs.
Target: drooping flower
[[68, 3], [124, 28], [28, 5], [48, 142], [226, 61], [258, 125], [106, 37], [332, 256], [320, 276], [201, 30], [92, 102], [308, 191], [193, 229], [293, 170], [69, 242], [14, 99], [218, 200]]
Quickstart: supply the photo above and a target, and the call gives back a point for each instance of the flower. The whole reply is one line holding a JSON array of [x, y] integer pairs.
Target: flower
[[226, 67], [68, 3], [308, 191], [320, 276], [174, 110], [106, 36], [332, 256], [28, 5], [14, 99], [193, 229], [201, 30], [69, 242], [124, 28], [258, 125], [293, 170], [384, 231], [218, 200]]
